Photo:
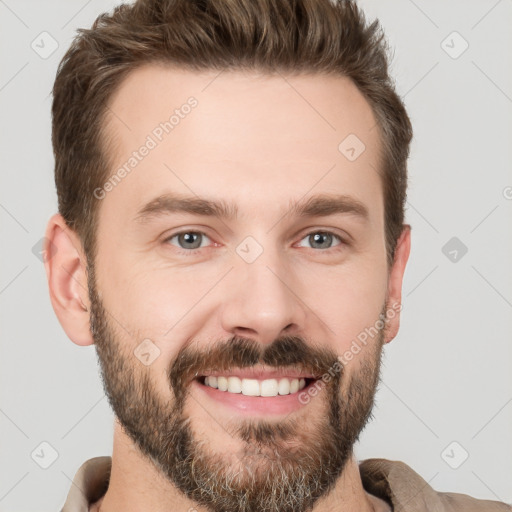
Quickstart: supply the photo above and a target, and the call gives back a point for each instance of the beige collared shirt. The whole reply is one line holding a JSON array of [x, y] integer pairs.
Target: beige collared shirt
[[392, 481]]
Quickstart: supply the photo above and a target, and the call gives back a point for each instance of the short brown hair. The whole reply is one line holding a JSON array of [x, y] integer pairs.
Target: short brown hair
[[289, 36]]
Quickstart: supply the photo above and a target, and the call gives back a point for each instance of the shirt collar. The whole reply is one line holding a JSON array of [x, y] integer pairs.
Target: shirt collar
[[392, 481]]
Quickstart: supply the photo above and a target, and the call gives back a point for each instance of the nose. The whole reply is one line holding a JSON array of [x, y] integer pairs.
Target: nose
[[260, 301]]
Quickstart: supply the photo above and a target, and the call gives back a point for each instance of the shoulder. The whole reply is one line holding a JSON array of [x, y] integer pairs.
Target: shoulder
[[89, 484], [406, 490]]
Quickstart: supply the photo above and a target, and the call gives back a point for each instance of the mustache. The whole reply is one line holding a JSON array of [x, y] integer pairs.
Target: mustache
[[238, 352]]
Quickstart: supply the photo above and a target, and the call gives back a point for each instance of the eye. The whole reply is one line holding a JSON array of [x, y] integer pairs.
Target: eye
[[189, 240], [193, 241], [323, 240]]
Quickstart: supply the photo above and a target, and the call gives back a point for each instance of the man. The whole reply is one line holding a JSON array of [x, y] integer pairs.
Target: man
[[242, 369]]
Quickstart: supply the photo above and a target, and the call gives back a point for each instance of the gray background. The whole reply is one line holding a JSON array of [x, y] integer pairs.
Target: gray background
[[447, 376]]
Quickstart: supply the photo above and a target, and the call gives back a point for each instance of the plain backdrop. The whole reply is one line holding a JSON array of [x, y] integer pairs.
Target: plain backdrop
[[445, 402]]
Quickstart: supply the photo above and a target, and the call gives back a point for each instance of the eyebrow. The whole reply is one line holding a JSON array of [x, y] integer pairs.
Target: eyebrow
[[317, 206]]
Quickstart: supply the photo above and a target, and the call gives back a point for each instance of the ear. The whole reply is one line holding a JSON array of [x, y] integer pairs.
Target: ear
[[396, 274], [65, 266]]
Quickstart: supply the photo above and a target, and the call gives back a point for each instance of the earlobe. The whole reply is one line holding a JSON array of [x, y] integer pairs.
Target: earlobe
[[67, 280], [394, 299]]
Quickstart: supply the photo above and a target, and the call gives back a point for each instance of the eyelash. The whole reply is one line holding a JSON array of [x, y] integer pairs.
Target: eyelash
[[193, 252]]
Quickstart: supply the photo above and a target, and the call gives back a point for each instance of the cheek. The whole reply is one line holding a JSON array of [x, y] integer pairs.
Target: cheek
[[147, 295], [349, 302], [159, 308]]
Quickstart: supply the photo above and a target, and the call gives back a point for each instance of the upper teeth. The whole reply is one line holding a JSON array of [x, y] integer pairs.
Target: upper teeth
[[254, 387]]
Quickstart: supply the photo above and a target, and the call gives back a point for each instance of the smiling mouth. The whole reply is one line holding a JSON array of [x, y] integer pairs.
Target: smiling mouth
[[272, 387]]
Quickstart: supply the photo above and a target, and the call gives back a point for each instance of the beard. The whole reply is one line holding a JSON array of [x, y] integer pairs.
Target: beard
[[282, 466]]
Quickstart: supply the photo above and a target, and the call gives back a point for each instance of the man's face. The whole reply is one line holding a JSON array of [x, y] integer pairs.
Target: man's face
[[180, 295]]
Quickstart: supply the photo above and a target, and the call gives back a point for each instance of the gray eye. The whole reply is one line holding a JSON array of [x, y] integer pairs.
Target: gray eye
[[321, 239], [188, 239]]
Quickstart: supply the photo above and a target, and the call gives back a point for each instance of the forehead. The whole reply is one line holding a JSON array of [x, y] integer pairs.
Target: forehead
[[242, 134]]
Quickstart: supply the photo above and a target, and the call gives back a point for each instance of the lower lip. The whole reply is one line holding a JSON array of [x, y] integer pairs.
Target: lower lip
[[259, 405]]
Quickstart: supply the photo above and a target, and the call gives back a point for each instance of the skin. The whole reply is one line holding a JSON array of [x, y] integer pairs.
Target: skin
[[259, 142]]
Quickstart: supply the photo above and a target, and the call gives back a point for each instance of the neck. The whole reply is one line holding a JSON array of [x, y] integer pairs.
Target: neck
[[137, 485]]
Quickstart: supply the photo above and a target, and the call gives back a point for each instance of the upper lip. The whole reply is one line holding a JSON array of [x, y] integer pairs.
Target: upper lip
[[260, 373]]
